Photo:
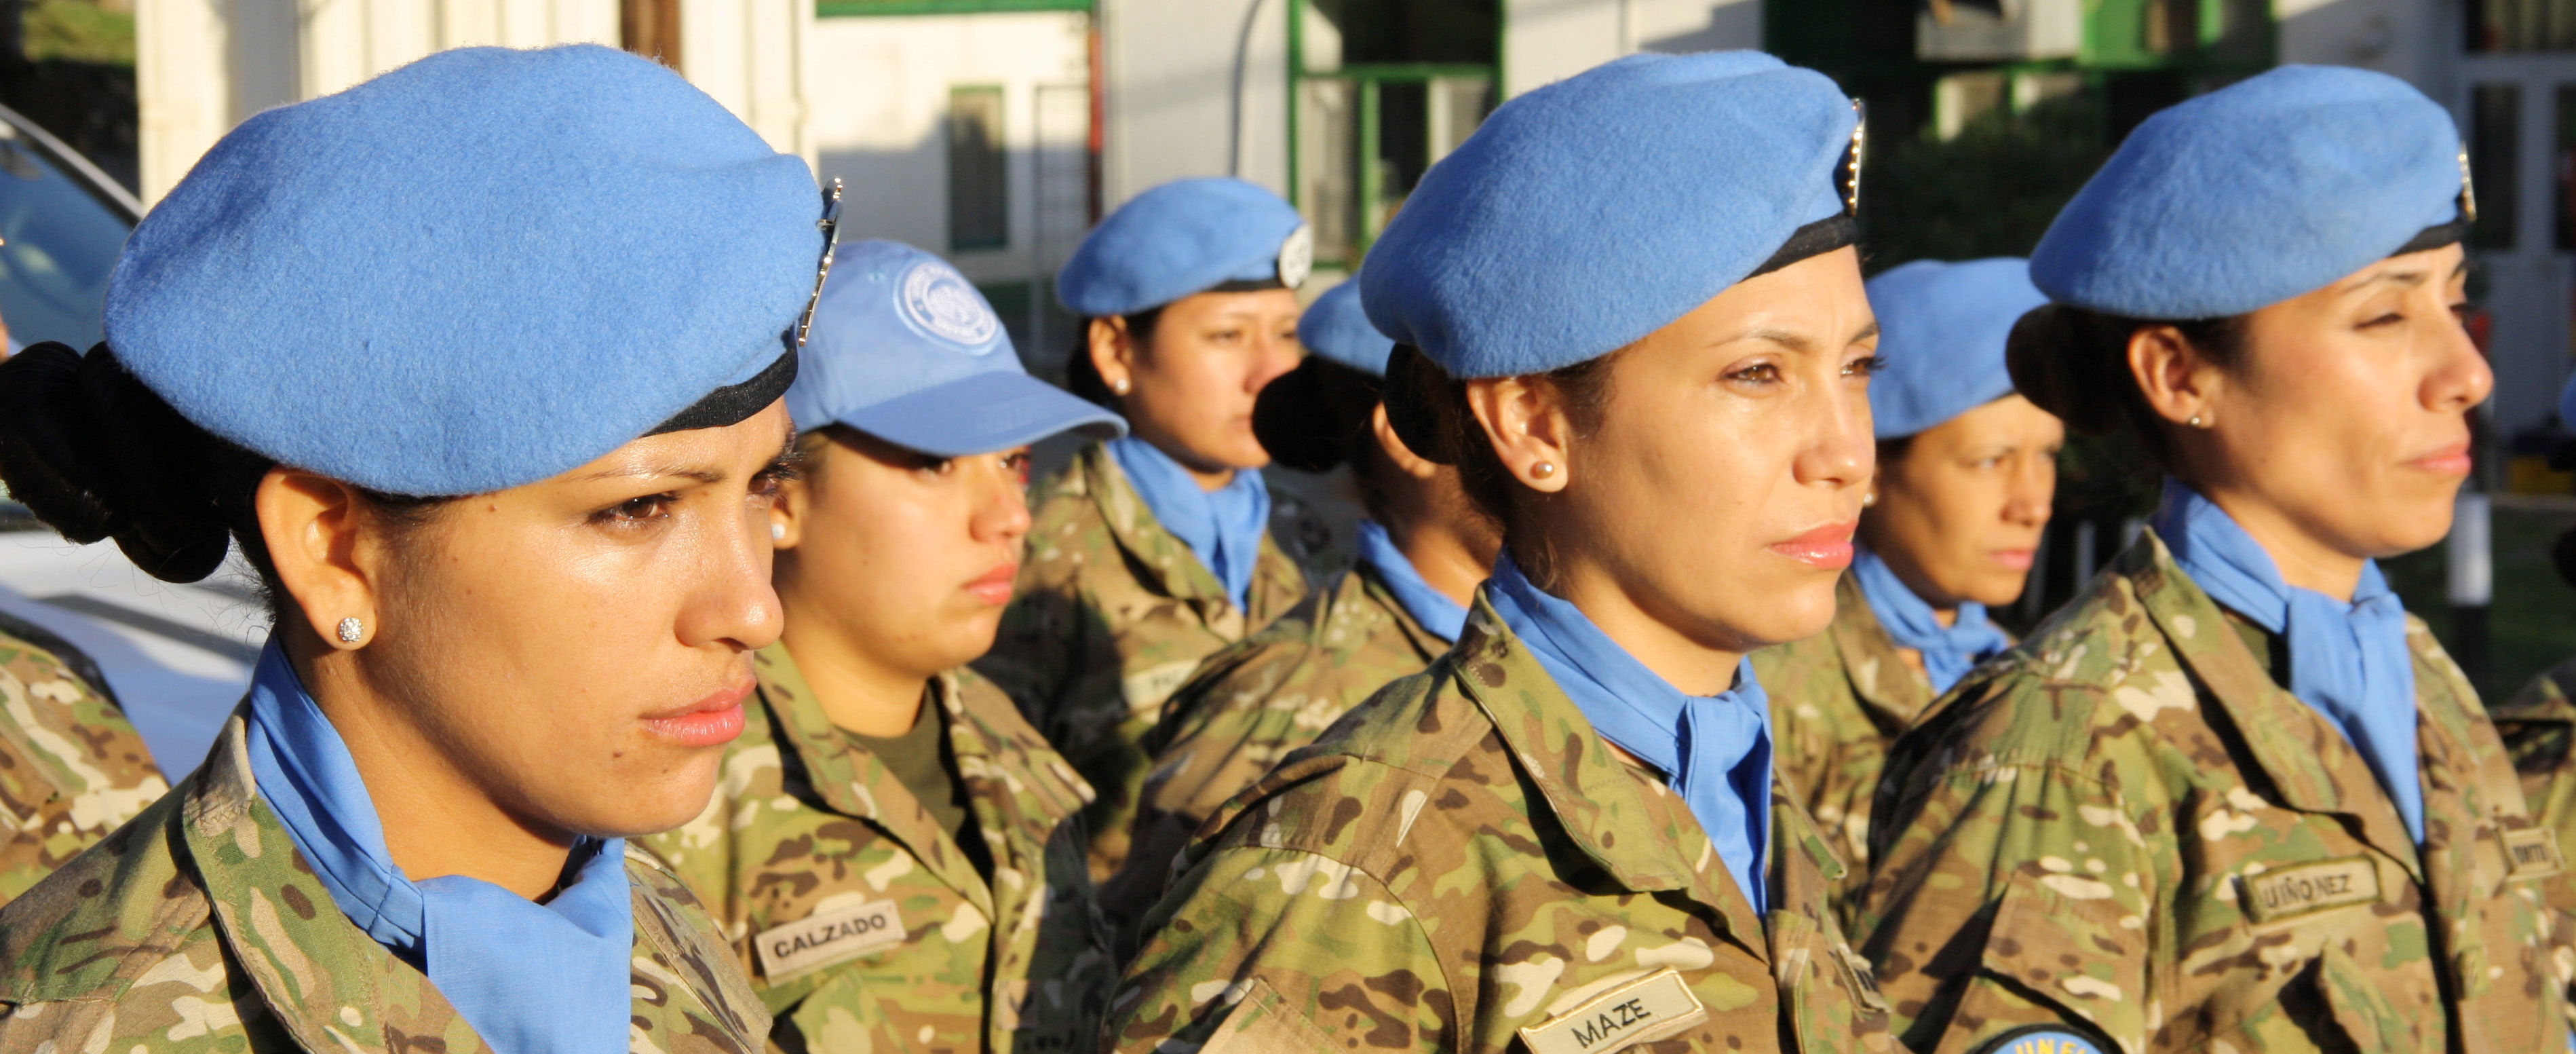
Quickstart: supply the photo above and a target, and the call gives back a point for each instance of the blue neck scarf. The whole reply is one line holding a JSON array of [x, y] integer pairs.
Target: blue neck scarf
[[1430, 607], [1949, 652], [1715, 750], [1222, 527], [530, 978], [2348, 661]]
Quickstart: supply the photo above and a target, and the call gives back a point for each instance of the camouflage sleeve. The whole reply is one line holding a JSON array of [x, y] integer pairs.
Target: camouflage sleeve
[[1276, 950], [2010, 891], [72, 768]]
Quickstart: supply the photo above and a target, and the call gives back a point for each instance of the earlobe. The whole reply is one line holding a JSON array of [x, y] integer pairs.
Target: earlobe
[[787, 515], [1528, 428], [315, 529], [1112, 353], [2171, 375]]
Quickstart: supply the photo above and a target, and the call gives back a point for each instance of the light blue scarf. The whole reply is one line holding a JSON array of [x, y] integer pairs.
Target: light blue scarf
[[2348, 661], [1716, 750], [1430, 607], [1949, 652], [1223, 527], [530, 978]]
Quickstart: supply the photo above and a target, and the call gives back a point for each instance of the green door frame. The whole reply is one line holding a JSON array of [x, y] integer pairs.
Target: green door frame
[[1369, 77]]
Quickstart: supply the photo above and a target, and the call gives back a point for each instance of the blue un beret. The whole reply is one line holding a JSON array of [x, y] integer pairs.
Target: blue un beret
[[2261, 191], [905, 349], [1942, 329], [477, 271], [1587, 214], [1337, 329], [1184, 237]]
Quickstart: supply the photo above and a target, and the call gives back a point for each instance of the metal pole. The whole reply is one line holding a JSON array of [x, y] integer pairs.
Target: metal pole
[[2472, 584]]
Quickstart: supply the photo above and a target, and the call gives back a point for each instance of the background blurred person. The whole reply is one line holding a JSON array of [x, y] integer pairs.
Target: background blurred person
[[72, 768], [1644, 342], [2234, 797], [896, 847], [1966, 470], [1153, 551], [1422, 550], [508, 488]]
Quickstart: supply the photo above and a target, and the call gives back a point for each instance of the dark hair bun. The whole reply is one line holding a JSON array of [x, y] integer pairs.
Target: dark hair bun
[[95, 454], [1423, 404], [1314, 417], [2062, 359]]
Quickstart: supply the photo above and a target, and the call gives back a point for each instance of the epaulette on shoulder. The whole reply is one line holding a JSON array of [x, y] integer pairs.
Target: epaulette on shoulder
[[77, 935]]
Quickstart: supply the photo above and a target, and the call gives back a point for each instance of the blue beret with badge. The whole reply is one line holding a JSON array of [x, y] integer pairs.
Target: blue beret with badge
[[477, 271], [905, 349], [1185, 237], [1587, 214], [2267, 189], [1336, 328], [1942, 329]]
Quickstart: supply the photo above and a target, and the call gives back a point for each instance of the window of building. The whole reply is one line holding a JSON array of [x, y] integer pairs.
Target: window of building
[[2495, 153], [979, 189], [1383, 89], [2521, 25]]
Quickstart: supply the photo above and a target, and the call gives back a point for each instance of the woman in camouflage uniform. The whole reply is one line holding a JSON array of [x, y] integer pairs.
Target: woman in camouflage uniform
[[1630, 313], [502, 448], [2233, 797], [1422, 551], [1151, 552], [72, 768], [894, 851], [1966, 470]]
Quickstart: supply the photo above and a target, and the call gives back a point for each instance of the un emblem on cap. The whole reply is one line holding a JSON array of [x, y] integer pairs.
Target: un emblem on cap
[[939, 302], [1297, 257]]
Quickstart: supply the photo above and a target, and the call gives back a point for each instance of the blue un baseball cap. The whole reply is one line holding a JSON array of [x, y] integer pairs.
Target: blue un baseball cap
[[905, 349]]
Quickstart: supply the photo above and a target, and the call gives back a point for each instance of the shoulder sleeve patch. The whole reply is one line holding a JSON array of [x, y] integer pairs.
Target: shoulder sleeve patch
[[2043, 1039]]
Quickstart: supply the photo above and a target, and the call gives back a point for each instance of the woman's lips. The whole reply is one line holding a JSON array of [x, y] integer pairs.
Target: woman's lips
[[1827, 548], [2451, 460], [710, 722], [2015, 559], [995, 587]]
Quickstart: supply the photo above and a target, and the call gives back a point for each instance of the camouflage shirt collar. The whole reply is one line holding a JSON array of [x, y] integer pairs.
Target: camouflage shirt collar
[[855, 784], [2306, 758], [1599, 799], [1168, 563], [1887, 685]]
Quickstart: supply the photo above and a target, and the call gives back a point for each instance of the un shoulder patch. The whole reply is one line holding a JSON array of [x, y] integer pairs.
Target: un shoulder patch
[[2043, 1039]]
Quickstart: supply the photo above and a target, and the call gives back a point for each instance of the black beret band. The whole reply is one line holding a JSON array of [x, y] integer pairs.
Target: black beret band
[[735, 403]]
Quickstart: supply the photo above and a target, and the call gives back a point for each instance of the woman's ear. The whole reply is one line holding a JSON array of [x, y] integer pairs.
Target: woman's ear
[[1524, 418], [328, 561], [1405, 459], [2180, 384], [1113, 353], [795, 498]]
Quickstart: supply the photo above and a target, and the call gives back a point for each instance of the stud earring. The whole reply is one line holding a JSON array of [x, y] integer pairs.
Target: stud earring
[[777, 532], [1119, 386], [2195, 422], [1868, 498], [352, 630], [1543, 469]]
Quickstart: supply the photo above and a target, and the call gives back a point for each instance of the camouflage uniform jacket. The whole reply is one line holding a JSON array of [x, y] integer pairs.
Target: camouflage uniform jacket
[[1838, 700], [863, 923], [2126, 826], [2539, 730], [1253, 703], [199, 928], [72, 768], [1463, 864], [1113, 613]]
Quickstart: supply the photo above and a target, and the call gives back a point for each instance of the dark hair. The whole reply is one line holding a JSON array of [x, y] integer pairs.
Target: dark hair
[[1428, 409], [1082, 376], [2075, 363], [1318, 417], [95, 454]]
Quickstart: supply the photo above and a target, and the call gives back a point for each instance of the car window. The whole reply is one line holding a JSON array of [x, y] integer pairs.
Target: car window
[[57, 244]]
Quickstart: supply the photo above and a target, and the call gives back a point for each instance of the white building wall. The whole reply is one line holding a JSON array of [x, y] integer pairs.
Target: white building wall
[[880, 111], [1194, 88], [1545, 41]]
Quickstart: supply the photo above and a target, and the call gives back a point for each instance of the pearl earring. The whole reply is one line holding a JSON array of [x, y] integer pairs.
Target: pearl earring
[[2195, 422], [777, 532], [1119, 386], [352, 630], [1543, 469], [1868, 499]]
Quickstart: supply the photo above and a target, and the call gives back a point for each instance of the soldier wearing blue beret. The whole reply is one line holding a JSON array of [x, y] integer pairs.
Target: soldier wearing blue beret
[[1966, 472], [1629, 310], [881, 791], [2233, 796], [1422, 550], [501, 444], [1152, 551]]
